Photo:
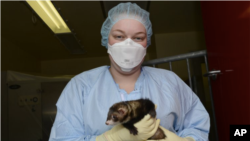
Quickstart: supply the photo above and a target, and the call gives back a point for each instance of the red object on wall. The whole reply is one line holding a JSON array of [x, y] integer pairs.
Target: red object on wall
[[227, 34]]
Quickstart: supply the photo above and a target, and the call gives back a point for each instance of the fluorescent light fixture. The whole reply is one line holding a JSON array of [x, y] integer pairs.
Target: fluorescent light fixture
[[48, 13]]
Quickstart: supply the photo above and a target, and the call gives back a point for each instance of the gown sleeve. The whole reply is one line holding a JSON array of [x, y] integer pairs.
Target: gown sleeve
[[196, 121], [69, 124]]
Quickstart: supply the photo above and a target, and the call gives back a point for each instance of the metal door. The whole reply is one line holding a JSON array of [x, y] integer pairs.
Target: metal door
[[51, 91], [24, 111], [227, 34]]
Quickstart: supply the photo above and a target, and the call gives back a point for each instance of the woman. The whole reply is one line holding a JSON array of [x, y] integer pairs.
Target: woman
[[84, 103]]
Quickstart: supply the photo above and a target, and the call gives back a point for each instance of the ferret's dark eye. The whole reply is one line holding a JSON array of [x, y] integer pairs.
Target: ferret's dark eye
[[113, 117]]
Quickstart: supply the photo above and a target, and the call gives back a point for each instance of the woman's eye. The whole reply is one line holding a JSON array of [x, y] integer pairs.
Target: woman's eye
[[138, 39], [119, 37]]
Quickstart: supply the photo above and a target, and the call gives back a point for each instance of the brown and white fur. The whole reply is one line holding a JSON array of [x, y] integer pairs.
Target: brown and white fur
[[128, 113]]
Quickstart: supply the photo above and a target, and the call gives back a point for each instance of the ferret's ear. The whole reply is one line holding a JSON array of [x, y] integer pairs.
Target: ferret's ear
[[121, 111]]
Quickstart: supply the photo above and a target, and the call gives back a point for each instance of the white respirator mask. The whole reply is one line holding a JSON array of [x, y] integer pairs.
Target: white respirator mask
[[127, 54]]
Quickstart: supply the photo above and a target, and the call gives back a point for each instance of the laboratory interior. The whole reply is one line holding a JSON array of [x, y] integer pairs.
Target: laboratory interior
[[206, 43]]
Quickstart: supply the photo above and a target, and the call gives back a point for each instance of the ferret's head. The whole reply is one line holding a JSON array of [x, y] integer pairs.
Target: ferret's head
[[118, 113]]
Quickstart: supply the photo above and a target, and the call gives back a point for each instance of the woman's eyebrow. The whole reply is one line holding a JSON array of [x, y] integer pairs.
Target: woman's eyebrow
[[140, 33], [119, 31]]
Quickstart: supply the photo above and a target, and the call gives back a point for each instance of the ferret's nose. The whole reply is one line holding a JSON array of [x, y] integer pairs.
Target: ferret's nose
[[107, 123]]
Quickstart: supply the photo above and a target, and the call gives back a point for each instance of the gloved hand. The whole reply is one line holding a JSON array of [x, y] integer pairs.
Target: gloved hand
[[146, 128], [172, 136]]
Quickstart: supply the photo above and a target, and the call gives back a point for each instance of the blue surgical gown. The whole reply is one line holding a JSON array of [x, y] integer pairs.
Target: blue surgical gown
[[84, 103]]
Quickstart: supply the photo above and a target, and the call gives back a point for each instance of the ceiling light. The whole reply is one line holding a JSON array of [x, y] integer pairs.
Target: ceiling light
[[49, 15]]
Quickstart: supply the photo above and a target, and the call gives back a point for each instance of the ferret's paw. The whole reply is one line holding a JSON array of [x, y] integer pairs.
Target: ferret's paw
[[133, 131]]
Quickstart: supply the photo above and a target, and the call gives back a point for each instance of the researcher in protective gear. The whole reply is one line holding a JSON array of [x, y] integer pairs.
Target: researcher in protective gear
[[84, 103]]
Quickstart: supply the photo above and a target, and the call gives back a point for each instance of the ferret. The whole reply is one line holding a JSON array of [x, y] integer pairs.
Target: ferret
[[128, 113]]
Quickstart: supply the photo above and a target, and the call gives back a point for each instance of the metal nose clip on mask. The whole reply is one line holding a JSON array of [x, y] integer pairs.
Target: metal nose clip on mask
[[127, 54]]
